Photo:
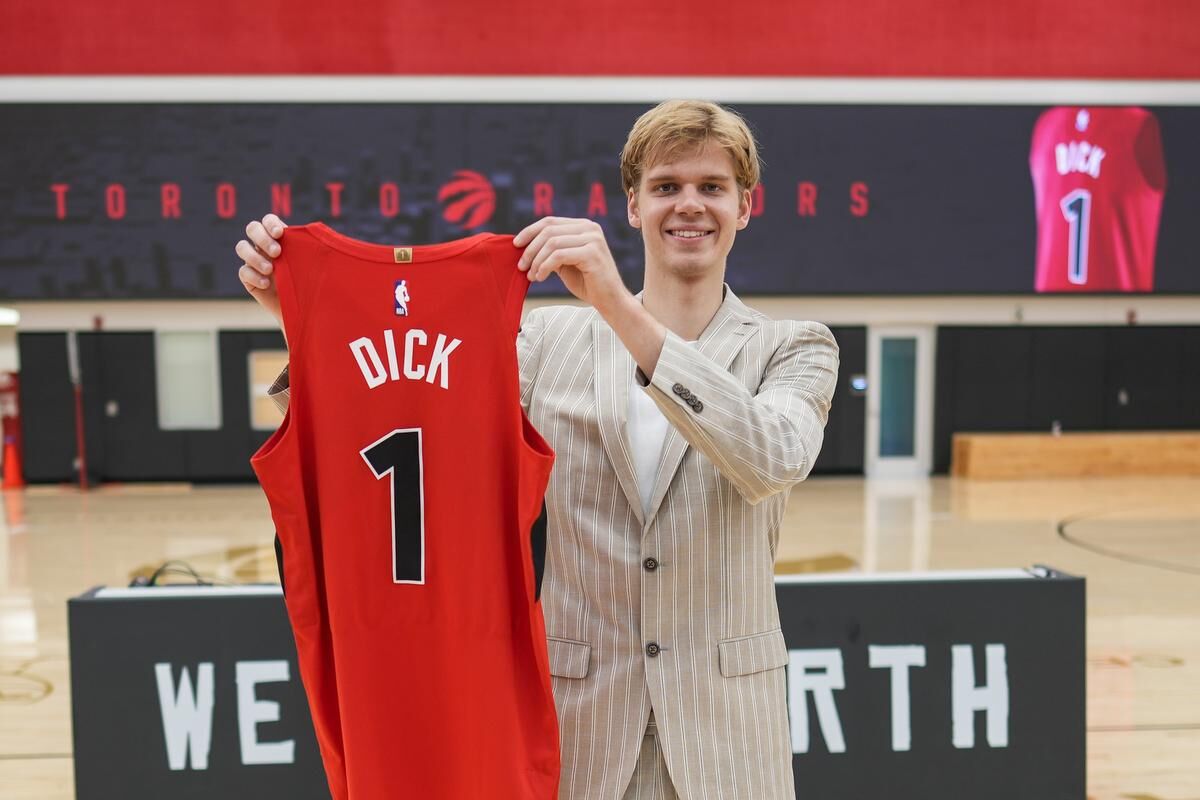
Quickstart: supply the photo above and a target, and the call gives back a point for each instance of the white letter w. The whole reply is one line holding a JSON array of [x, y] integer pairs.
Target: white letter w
[[186, 717]]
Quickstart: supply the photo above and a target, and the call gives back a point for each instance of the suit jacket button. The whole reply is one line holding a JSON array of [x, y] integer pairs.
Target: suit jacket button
[[650, 564], [678, 389], [652, 649], [698, 407]]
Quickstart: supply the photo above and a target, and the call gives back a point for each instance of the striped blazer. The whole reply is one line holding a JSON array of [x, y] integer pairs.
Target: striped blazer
[[673, 611]]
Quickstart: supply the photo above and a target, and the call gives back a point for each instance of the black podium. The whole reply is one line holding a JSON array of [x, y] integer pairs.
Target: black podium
[[913, 685]]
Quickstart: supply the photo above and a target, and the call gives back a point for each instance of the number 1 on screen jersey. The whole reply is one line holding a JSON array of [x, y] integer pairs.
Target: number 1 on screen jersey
[[1077, 208], [398, 456]]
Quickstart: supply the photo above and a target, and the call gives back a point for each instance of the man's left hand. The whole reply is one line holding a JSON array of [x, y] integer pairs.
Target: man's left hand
[[577, 251]]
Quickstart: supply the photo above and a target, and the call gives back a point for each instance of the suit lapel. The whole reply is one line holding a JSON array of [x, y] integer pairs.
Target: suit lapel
[[613, 375], [726, 334]]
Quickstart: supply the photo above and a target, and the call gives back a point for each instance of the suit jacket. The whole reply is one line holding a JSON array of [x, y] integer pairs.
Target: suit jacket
[[673, 610], [695, 577]]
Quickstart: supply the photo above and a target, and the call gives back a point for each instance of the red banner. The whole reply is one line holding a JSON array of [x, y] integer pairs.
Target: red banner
[[1152, 39]]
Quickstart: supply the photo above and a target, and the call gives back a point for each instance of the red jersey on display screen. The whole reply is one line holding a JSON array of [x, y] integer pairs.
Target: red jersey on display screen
[[404, 483], [1098, 182]]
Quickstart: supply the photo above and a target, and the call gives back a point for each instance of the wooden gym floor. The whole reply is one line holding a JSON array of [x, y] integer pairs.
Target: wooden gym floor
[[1136, 540]]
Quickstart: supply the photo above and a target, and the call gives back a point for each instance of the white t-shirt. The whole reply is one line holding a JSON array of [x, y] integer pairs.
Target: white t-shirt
[[647, 430]]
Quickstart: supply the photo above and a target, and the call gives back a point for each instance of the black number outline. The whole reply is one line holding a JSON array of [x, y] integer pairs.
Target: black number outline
[[390, 472]]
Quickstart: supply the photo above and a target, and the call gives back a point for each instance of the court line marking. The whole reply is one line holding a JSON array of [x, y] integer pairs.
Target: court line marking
[[33, 756], [1061, 528], [1139, 728]]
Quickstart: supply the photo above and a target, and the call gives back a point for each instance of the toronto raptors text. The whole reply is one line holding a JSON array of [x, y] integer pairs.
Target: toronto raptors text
[[170, 200]]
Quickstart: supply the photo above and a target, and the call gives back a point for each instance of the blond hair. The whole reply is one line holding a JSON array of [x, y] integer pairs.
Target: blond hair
[[676, 127]]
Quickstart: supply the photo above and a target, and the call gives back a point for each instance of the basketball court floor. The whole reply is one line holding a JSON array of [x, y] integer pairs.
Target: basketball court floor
[[1137, 541]]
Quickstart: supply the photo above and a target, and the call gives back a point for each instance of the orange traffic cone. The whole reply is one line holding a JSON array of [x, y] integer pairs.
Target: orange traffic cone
[[13, 479]]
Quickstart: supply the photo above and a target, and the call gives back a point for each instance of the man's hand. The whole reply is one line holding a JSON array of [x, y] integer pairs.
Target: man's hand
[[577, 251], [258, 255]]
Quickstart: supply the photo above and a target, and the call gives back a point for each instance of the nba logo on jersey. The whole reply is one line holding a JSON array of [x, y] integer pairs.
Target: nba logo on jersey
[[402, 298], [1082, 119]]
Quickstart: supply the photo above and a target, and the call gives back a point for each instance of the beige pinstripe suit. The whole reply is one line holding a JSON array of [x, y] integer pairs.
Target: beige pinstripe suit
[[747, 407]]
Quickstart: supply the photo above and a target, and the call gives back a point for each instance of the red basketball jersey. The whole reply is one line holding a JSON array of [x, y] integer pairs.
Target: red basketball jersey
[[1098, 182], [403, 484]]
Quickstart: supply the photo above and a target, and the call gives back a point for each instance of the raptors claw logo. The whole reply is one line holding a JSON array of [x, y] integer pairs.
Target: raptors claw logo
[[473, 200]]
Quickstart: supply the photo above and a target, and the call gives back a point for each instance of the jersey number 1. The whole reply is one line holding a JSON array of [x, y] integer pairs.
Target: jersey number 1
[[1077, 208], [398, 456]]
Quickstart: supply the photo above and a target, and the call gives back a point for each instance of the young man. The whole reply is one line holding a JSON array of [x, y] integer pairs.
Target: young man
[[680, 419]]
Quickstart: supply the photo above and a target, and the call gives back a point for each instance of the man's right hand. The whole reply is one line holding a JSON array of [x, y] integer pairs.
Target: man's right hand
[[258, 256]]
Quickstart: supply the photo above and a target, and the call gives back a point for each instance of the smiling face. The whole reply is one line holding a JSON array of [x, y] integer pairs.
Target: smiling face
[[689, 210]]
